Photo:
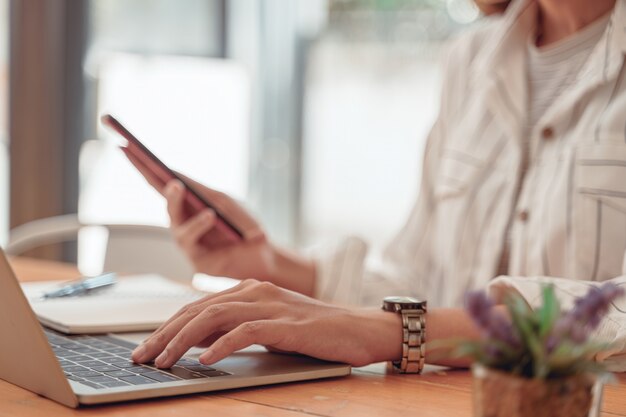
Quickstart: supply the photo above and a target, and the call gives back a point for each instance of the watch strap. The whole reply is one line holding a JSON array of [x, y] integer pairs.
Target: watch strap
[[413, 341]]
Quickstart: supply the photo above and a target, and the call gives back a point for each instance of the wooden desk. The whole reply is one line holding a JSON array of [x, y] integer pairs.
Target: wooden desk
[[369, 391]]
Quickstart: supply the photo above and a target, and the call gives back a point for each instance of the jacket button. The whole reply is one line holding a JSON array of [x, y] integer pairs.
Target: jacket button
[[547, 133], [523, 215]]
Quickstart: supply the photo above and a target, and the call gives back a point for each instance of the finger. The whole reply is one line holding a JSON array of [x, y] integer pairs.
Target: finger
[[229, 208], [189, 233], [147, 173], [237, 288], [157, 342], [215, 318], [208, 341], [262, 332], [174, 193]]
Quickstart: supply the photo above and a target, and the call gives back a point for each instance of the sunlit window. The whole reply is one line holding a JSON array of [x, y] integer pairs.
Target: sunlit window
[[151, 63], [372, 94], [191, 27], [156, 65], [191, 112], [369, 95]]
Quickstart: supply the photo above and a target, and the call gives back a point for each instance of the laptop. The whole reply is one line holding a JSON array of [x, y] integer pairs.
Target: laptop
[[97, 369]]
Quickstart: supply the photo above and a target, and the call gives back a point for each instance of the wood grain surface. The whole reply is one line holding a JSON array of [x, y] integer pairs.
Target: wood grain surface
[[369, 391]]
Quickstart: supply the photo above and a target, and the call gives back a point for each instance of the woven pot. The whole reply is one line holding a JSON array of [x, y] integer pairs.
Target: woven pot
[[498, 394]]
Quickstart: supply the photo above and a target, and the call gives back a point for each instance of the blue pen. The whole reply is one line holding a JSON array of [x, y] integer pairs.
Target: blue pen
[[83, 286]]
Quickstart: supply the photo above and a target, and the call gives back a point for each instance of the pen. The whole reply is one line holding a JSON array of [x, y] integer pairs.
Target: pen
[[82, 286]]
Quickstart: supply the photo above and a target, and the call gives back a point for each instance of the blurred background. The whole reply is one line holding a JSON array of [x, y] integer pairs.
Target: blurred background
[[313, 113]]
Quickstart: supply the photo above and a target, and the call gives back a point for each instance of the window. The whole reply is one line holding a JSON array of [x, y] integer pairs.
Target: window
[[158, 27], [313, 112], [157, 66], [153, 65], [372, 93], [191, 112], [4, 128], [228, 72]]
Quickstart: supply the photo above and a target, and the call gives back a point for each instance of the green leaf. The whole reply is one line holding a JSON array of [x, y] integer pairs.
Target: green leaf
[[549, 311], [524, 320], [564, 356], [530, 359], [570, 358]]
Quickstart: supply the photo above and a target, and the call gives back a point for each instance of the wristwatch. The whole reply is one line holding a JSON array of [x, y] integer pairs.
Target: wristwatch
[[413, 313]]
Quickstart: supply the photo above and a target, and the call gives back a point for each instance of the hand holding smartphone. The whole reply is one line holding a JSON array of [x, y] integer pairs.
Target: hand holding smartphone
[[223, 233]]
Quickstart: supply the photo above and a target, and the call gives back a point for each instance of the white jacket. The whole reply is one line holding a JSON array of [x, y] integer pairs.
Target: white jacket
[[569, 219]]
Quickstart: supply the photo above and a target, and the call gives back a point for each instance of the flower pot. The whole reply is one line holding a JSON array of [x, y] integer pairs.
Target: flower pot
[[498, 394]]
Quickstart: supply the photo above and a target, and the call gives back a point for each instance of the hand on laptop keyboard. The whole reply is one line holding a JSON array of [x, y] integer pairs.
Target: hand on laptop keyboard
[[256, 312], [101, 361]]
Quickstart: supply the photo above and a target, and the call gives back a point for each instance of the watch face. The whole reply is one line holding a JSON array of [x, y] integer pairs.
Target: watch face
[[403, 303], [402, 300]]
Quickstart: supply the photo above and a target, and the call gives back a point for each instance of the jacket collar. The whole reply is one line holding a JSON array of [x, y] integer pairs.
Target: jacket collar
[[603, 66], [501, 64]]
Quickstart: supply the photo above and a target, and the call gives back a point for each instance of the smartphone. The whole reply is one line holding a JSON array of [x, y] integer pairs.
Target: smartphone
[[224, 232]]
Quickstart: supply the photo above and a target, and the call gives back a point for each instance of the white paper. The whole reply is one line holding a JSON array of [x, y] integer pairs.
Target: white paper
[[134, 303]]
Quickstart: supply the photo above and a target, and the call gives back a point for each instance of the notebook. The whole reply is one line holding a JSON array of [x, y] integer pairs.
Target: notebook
[[135, 303]]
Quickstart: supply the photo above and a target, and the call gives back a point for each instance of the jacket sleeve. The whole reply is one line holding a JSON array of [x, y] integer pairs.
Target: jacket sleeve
[[611, 330]]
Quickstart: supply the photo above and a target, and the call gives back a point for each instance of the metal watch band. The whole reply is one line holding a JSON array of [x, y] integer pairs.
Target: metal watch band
[[413, 341]]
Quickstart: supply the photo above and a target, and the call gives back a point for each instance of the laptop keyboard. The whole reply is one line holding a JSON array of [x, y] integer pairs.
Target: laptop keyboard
[[102, 361]]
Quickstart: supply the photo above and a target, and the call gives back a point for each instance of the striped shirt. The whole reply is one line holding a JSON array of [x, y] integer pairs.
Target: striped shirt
[[566, 219], [551, 71]]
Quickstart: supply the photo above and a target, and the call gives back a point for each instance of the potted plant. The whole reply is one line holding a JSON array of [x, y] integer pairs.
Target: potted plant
[[537, 362]]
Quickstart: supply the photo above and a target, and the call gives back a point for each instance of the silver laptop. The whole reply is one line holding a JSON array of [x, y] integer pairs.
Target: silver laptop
[[95, 369]]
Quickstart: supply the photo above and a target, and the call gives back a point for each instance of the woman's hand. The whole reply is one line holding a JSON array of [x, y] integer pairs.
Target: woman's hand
[[256, 312], [254, 257]]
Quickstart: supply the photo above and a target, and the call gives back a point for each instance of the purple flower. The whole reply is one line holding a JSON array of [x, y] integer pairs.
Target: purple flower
[[492, 323], [538, 344], [586, 315]]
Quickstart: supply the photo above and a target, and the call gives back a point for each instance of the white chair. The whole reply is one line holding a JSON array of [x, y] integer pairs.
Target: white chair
[[103, 244], [133, 249]]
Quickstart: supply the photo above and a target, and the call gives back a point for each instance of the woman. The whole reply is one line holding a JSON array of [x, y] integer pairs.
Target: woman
[[523, 182]]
